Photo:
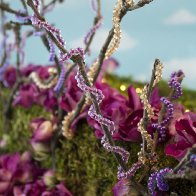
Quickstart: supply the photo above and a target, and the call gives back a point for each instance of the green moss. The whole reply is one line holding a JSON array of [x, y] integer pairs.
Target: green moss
[[82, 163]]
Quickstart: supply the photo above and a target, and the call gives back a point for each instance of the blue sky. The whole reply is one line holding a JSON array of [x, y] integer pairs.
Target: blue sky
[[164, 29]]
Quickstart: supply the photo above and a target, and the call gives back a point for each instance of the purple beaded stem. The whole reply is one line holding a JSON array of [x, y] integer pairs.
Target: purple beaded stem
[[175, 84], [52, 50], [161, 127], [60, 82], [161, 182], [152, 183]]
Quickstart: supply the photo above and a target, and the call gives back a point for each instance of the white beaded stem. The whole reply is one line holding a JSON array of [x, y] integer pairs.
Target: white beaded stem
[[39, 83]]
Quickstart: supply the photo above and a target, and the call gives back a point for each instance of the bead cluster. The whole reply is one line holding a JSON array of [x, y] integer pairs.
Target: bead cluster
[[175, 84], [66, 131], [39, 83], [144, 100], [61, 80], [156, 180], [161, 127], [158, 74]]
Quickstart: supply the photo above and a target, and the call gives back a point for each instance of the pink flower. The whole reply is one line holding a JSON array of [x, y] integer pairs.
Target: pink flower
[[126, 113], [42, 129], [27, 96], [184, 136], [14, 169], [9, 76]]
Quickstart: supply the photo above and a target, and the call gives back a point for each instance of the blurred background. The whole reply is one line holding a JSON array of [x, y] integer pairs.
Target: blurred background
[[164, 29]]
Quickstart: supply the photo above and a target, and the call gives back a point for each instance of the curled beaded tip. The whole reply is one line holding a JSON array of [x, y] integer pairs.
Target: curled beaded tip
[[174, 83], [158, 73], [161, 182], [152, 184], [161, 127]]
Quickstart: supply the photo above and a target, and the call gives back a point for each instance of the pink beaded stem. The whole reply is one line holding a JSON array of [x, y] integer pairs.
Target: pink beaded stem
[[44, 24], [130, 173], [93, 30], [100, 119], [48, 27], [110, 124], [93, 5], [37, 4]]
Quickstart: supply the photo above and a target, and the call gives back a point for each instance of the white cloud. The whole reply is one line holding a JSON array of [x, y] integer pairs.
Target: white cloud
[[188, 65], [181, 17], [127, 42]]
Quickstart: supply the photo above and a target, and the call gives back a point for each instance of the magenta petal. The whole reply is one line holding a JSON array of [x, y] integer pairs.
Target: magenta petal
[[4, 186], [155, 98], [134, 100], [121, 188], [177, 150]]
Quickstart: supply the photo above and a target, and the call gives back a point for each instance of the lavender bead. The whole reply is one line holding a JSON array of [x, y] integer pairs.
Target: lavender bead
[[60, 82]]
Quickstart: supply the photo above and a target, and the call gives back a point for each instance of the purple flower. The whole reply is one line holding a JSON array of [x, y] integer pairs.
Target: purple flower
[[184, 136], [121, 188]]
